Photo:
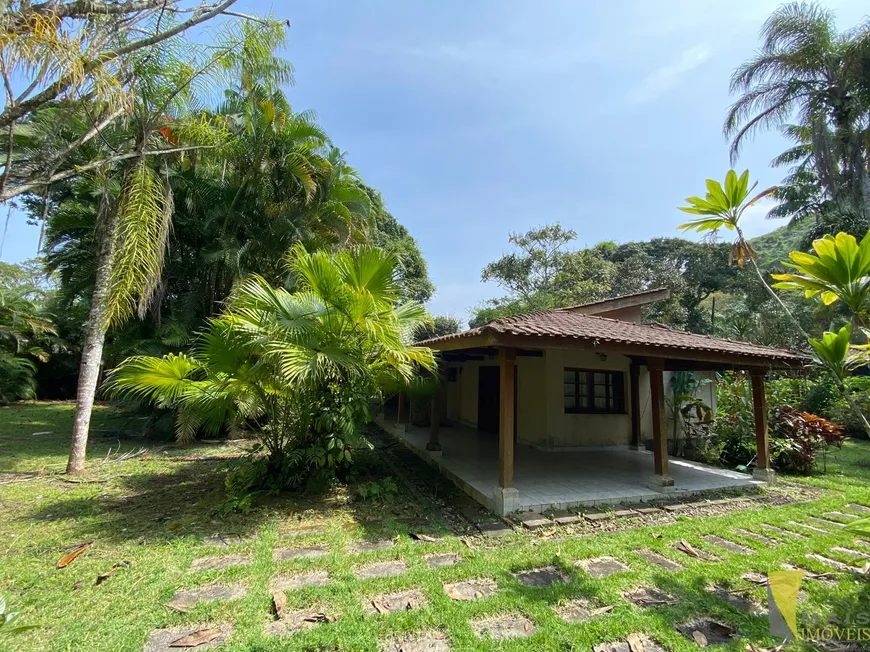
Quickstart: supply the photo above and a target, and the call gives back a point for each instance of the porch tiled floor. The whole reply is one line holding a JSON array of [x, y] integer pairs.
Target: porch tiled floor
[[560, 479]]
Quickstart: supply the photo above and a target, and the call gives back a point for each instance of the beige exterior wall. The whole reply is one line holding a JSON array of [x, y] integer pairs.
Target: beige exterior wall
[[541, 417]]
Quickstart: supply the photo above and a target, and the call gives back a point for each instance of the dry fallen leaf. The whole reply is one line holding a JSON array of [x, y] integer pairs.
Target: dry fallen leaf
[[379, 607], [755, 578], [145, 456], [700, 639], [177, 608], [635, 643], [279, 599], [686, 547], [601, 610], [318, 618], [195, 639], [656, 536], [78, 585], [424, 537], [68, 559]]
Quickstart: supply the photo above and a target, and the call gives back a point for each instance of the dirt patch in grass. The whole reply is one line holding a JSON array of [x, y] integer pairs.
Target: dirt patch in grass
[[161, 640], [297, 621], [580, 610], [601, 567], [648, 596], [637, 641], [429, 642], [471, 589], [707, 631], [390, 602]]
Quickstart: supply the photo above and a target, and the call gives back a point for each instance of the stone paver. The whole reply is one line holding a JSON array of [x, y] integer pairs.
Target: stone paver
[[471, 589], [649, 596], [392, 602], [370, 546], [306, 552], [381, 569], [494, 530], [442, 559], [187, 598], [600, 567], [297, 621], [532, 520], [788, 534], [300, 580], [624, 646], [546, 576], [564, 517], [850, 553], [713, 631], [593, 517], [430, 642], [160, 640], [220, 540], [840, 516], [680, 507], [503, 628], [579, 610], [648, 511], [221, 563], [659, 560], [855, 507], [833, 563], [626, 513], [760, 538], [807, 526], [730, 546], [738, 599]]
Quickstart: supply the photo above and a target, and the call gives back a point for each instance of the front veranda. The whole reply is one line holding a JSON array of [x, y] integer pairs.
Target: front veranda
[[501, 471], [557, 480]]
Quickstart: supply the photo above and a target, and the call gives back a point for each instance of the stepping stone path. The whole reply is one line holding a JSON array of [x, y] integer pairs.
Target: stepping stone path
[[381, 569], [737, 599], [392, 602], [680, 507], [625, 513], [300, 580], [579, 610], [694, 553], [370, 546], [824, 578], [432, 642], [539, 577], [855, 507], [756, 537], [221, 563], [646, 596], [567, 518], [160, 640], [624, 646], [310, 552], [494, 530], [185, 599], [782, 532], [659, 560], [226, 540], [471, 589], [443, 559], [503, 628], [840, 516], [730, 546], [647, 511], [594, 515], [600, 567], [297, 621], [706, 631]]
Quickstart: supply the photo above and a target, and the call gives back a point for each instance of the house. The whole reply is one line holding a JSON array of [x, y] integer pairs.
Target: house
[[551, 409]]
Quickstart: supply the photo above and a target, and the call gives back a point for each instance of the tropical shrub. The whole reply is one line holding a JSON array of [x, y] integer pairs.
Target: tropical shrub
[[377, 491], [821, 397], [297, 370], [732, 441], [841, 412], [797, 438]]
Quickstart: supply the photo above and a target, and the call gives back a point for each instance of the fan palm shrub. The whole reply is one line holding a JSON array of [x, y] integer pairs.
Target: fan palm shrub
[[297, 369]]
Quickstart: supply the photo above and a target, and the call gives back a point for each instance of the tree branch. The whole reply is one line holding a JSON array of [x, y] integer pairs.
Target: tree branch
[[22, 188], [12, 113]]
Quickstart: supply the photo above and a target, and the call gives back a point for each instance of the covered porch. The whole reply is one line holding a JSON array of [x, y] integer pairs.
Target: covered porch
[[556, 408], [544, 480]]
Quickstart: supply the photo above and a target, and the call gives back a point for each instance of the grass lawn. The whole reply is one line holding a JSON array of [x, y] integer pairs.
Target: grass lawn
[[153, 513]]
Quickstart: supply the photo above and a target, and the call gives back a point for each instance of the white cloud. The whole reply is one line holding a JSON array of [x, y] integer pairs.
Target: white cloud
[[667, 77]]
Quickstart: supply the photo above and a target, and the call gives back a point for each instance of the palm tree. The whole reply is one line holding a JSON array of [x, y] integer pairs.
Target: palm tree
[[25, 335], [298, 368], [802, 69]]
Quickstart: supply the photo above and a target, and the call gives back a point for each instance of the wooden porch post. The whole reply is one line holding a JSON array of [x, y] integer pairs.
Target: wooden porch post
[[634, 388], [662, 480], [400, 412], [507, 357], [763, 470]]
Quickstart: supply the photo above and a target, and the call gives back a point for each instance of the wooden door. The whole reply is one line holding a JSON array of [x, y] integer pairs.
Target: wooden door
[[487, 399]]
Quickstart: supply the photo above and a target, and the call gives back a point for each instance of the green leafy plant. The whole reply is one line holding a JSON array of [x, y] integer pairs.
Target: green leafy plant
[[377, 491], [8, 619]]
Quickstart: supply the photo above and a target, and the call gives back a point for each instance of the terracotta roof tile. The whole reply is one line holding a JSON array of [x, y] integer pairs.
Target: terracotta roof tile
[[571, 325]]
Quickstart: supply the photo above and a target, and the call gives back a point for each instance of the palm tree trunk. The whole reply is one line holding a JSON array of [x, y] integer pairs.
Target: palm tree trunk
[[847, 395], [92, 349]]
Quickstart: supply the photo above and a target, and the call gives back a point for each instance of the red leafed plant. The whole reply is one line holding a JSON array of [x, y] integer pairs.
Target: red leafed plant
[[798, 437]]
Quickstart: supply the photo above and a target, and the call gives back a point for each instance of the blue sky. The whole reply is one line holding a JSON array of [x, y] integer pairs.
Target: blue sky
[[475, 119]]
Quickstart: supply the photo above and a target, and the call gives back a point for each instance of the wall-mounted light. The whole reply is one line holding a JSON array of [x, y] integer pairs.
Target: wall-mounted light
[[602, 357]]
